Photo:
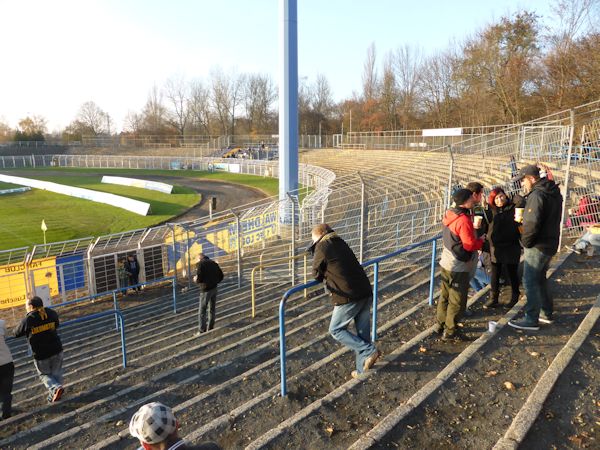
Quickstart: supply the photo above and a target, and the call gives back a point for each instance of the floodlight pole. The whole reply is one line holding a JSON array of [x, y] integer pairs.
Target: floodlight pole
[[288, 104]]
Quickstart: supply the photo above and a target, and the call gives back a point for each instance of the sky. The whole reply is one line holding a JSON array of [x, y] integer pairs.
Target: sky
[[57, 54]]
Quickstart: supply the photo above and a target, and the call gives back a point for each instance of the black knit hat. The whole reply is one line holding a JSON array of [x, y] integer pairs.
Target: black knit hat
[[461, 196], [531, 169]]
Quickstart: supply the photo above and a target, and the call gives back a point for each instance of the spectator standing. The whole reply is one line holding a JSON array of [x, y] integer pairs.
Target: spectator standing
[[350, 290], [505, 250], [208, 276], [541, 233], [459, 257], [7, 373], [39, 326], [481, 276], [132, 267], [155, 426], [123, 276]]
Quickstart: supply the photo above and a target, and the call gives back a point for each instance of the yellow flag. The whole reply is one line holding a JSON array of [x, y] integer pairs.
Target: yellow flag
[[44, 227]]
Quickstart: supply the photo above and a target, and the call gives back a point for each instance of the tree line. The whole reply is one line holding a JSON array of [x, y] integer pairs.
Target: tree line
[[510, 71]]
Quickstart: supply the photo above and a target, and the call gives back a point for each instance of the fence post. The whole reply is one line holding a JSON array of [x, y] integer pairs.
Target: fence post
[[567, 175], [239, 248], [450, 177], [174, 295], [375, 298], [293, 251], [174, 249], [116, 306], [189, 262], [432, 275], [362, 217]]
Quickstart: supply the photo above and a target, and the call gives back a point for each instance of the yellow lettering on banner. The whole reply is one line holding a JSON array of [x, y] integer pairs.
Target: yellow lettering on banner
[[14, 279]]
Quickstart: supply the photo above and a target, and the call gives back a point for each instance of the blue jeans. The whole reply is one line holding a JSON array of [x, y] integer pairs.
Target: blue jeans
[[536, 285], [480, 280], [50, 371], [208, 301], [342, 316]]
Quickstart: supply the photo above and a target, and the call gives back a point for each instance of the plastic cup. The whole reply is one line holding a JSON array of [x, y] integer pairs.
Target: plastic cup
[[519, 214], [492, 326], [477, 221]]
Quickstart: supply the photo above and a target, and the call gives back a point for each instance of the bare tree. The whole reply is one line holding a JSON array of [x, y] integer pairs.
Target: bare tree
[[154, 113], [133, 122], [408, 64], [259, 95], [369, 78], [388, 94], [200, 113], [92, 118], [226, 93], [177, 94]]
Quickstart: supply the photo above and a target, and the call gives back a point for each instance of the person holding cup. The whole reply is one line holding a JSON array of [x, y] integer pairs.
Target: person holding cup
[[505, 250]]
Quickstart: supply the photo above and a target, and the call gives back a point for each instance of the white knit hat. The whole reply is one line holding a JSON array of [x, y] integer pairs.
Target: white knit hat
[[153, 423]]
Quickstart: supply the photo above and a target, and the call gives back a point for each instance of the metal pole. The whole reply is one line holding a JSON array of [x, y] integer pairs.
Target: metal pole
[[282, 355], [450, 177], [175, 295], [123, 344], [239, 248], [116, 307], [567, 175], [362, 217], [174, 250], [293, 247], [432, 275], [375, 297], [189, 261]]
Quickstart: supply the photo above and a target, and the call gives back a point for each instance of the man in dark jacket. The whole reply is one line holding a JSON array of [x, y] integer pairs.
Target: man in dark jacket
[[155, 426], [350, 290], [208, 276], [132, 267], [40, 327], [541, 232]]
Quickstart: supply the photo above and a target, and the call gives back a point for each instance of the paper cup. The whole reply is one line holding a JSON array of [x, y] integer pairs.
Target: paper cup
[[492, 326], [519, 214], [477, 221]]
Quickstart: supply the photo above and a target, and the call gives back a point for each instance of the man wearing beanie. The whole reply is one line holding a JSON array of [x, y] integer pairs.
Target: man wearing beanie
[[155, 426], [40, 327], [458, 261]]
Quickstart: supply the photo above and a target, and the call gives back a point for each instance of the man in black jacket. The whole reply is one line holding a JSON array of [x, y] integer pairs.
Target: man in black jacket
[[40, 327], [541, 232], [350, 291], [208, 276], [132, 267]]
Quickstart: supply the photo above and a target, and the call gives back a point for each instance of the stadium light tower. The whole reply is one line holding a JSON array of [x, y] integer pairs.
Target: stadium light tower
[[288, 102]]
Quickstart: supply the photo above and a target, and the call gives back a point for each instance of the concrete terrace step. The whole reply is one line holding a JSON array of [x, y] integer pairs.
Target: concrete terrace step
[[248, 373]]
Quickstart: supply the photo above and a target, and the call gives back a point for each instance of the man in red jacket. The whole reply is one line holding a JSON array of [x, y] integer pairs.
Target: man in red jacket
[[459, 258]]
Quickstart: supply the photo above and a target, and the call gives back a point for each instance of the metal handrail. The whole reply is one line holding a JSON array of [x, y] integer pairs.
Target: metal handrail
[[375, 263], [118, 316], [116, 291], [271, 263]]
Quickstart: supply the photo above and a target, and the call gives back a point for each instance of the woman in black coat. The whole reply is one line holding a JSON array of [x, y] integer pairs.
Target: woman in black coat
[[505, 250]]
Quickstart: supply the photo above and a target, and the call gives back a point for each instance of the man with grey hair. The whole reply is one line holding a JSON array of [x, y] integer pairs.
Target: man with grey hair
[[208, 276]]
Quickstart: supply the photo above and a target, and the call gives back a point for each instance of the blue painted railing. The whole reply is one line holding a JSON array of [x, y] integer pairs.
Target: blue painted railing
[[121, 327], [372, 262]]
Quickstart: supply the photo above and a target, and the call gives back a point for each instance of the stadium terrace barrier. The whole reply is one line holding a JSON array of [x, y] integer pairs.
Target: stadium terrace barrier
[[274, 263], [118, 317], [135, 182], [373, 262]]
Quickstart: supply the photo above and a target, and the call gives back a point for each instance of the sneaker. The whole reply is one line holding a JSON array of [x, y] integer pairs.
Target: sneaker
[[455, 336], [357, 375], [468, 313], [371, 360], [545, 318], [572, 248], [524, 325], [57, 394]]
